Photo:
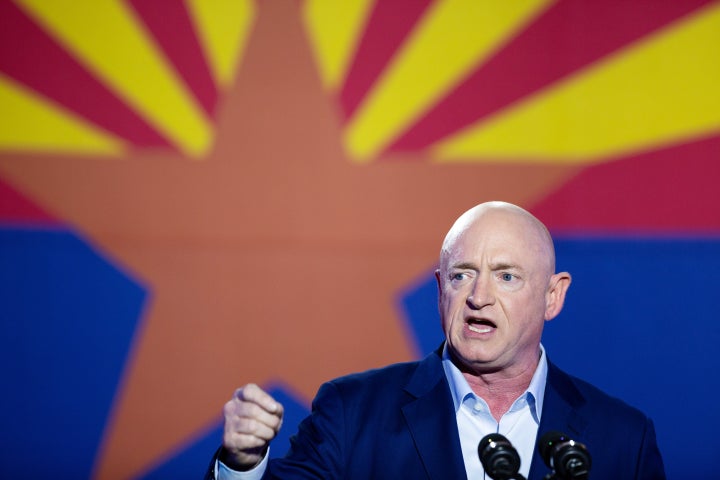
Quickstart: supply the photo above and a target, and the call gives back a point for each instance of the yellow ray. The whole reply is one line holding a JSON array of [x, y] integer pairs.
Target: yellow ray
[[335, 29], [30, 122], [661, 90], [106, 37], [224, 27], [453, 38]]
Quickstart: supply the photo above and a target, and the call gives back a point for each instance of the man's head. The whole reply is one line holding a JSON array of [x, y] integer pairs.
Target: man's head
[[497, 287]]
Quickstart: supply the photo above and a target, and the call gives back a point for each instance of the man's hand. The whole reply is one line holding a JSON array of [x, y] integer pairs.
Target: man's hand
[[252, 419]]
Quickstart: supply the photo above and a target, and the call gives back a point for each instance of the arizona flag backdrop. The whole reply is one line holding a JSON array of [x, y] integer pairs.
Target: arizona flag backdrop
[[198, 194]]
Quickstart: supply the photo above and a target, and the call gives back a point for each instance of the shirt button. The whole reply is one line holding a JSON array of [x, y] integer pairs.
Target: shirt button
[[477, 407]]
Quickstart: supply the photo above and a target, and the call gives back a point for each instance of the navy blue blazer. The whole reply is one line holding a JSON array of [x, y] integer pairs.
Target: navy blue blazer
[[398, 422]]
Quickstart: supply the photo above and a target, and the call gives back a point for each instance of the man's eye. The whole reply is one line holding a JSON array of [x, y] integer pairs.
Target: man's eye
[[507, 277], [458, 276]]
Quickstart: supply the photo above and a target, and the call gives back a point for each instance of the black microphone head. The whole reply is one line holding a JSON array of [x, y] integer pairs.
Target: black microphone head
[[568, 458], [547, 442], [498, 457]]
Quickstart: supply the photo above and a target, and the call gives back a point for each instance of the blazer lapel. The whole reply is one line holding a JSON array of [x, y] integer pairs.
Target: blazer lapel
[[430, 417], [560, 412]]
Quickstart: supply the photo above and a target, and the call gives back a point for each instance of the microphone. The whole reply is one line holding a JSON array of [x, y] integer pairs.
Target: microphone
[[570, 460], [499, 458]]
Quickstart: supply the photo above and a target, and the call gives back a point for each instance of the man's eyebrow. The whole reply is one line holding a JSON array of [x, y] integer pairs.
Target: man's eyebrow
[[464, 266], [504, 266]]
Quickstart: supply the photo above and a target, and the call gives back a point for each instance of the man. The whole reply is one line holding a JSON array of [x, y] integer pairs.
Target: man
[[497, 286]]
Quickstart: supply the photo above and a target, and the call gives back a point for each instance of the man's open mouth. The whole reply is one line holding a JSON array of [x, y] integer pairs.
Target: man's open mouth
[[479, 325]]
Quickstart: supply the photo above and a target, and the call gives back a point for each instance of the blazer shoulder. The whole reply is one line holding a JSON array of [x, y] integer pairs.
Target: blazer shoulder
[[583, 395], [413, 378], [397, 375]]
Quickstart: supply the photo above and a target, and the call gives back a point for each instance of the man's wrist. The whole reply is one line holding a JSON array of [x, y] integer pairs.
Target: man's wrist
[[229, 461]]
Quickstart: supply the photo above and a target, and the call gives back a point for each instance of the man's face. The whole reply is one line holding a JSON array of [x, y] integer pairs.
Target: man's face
[[494, 283]]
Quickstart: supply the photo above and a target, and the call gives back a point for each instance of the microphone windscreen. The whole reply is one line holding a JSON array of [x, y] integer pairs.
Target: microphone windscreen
[[569, 459], [547, 442], [498, 457]]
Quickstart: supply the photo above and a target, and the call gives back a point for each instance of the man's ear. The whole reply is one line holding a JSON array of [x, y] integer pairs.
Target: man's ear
[[555, 297], [439, 283]]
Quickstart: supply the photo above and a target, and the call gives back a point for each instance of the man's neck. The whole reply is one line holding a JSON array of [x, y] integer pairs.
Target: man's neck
[[500, 388], [499, 392]]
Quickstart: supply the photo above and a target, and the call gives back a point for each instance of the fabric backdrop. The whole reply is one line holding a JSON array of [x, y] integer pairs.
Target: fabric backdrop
[[198, 194]]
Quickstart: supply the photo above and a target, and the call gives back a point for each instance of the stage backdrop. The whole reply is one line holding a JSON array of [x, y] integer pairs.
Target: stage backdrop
[[199, 194]]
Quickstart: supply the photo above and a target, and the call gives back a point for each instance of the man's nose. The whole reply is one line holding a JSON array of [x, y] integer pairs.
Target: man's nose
[[481, 293]]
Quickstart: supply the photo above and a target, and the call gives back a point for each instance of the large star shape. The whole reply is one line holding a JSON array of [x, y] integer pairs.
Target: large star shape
[[274, 257]]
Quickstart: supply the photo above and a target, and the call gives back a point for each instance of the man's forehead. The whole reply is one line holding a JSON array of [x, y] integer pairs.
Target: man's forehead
[[499, 262], [489, 251], [499, 232]]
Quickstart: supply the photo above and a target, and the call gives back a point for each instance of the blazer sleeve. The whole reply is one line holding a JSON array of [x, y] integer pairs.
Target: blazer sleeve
[[210, 471], [650, 464], [319, 448]]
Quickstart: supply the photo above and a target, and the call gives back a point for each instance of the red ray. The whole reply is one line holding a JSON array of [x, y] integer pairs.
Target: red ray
[[170, 24], [15, 208], [30, 56], [670, 190], [386, 29], [567, 37]]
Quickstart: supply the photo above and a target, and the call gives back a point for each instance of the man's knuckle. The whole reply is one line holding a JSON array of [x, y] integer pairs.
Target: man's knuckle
[[229, 408], [247, 425]]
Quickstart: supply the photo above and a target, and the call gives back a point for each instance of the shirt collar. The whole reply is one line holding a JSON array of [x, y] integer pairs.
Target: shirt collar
[[460, 389]]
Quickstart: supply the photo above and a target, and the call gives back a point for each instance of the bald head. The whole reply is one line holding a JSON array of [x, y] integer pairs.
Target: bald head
[[491, 217], [496, 290]]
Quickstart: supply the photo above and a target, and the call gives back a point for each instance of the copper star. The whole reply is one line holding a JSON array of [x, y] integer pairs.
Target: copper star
[[274, 257]]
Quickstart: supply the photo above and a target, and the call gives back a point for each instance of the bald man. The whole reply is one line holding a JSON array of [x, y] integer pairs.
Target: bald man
[[497, 287]]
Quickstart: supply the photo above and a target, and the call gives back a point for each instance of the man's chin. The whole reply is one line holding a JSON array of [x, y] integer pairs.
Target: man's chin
[[474, 360]]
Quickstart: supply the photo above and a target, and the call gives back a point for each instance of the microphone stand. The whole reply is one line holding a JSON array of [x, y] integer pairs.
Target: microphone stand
[[511, 476]]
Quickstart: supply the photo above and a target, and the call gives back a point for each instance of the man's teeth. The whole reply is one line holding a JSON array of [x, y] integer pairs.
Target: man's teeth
[[480, 328]]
